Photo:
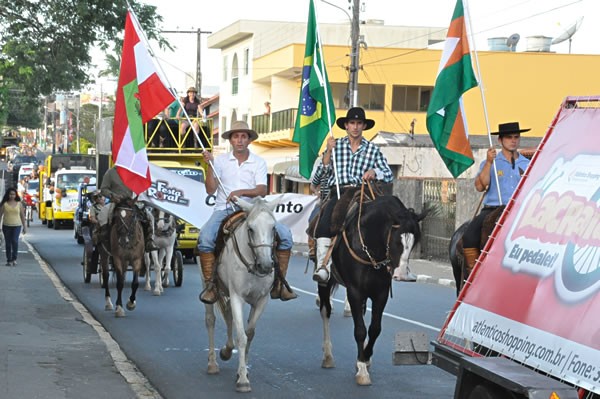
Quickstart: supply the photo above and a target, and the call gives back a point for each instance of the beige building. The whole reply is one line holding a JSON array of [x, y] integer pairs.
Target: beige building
[[262, 63]]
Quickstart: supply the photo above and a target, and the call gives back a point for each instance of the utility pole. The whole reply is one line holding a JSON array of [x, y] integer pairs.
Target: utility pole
[[198, 33], [355, 53]]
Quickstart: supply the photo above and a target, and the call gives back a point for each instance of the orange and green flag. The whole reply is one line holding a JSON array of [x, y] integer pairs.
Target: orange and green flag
[[446, 120], [141, 95], [316, 113]]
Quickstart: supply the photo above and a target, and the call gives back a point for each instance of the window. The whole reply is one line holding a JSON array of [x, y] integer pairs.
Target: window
[[246, 61], [225, 69], [371, 96], [234, 75], [411, 98]]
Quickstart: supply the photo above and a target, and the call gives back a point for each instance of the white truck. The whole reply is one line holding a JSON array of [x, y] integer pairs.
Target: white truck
[[524, 325], [65, 198]]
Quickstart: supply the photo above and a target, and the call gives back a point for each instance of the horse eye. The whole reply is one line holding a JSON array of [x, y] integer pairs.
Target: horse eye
[[250, 231]]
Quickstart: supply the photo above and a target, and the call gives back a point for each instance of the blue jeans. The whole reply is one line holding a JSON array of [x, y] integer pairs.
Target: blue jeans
[[11, 240], [208, 232]]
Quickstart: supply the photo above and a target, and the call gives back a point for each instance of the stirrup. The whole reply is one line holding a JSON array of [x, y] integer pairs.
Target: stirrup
[[209, 294]]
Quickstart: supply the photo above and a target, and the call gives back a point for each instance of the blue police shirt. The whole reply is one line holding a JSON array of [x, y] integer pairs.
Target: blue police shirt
[[508, 176]]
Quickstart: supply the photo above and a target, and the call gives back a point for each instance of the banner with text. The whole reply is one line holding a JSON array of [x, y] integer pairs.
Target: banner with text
[[175, 193]]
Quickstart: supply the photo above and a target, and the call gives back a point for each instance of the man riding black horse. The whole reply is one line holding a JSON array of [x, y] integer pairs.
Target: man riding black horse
[[504, 170]]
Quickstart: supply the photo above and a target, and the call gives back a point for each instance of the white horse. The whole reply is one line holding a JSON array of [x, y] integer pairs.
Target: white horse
[[245, 270], [165, 235]]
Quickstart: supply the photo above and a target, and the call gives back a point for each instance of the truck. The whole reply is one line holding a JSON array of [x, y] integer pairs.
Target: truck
[[61, 176], [524, 325], [7, 141], [181, 155]]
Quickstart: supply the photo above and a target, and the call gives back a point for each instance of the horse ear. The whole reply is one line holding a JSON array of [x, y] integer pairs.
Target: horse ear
[[245, 205], [271, 205]]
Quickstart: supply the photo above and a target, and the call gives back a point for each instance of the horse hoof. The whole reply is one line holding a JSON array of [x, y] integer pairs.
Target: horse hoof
[[147, 289], [363, 380], [120, 312], [157, 293], [213, 369], [328, 363], [409, 277], [347, 313], [108, 306], [225, 353], [130, 305], [243, 387]]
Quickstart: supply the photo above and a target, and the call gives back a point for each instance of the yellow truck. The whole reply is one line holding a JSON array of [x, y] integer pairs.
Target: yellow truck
[[181, 154], [61, 176]]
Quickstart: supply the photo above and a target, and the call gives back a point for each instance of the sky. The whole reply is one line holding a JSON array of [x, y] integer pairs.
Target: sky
[[488, 19]]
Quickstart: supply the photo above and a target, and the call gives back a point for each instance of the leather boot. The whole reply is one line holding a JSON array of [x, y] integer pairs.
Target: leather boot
[[207, 263], [280, 290], [321, 275], [471, 255], [312, 253]]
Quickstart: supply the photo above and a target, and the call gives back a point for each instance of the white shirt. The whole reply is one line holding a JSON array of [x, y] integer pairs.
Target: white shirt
[[235, 176]]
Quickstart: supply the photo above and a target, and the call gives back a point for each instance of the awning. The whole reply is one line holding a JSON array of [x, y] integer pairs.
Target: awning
[[293, 173], [279, 168]]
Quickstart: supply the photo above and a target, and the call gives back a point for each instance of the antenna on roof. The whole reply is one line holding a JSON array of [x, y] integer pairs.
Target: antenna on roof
[[512, 41], [568, 33]]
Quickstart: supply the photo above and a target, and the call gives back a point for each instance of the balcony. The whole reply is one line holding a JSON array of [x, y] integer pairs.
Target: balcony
[[277, 129]]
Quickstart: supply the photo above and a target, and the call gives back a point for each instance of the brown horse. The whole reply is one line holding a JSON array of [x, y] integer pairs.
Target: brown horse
[[455, 249], [126, 248]]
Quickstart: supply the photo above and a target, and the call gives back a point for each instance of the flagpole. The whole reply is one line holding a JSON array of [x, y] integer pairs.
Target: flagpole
[[327, 105], [151, 51], [481, 90]]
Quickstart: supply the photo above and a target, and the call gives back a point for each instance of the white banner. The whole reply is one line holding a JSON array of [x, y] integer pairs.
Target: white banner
[[187, 199]]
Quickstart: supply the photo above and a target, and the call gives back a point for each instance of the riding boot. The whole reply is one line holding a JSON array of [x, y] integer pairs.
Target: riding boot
[[149, 238], [280, 288], [321, 275], [471, 255], [207, 263]]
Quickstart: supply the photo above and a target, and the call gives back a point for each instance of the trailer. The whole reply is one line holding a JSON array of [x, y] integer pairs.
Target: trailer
[[524, 325]]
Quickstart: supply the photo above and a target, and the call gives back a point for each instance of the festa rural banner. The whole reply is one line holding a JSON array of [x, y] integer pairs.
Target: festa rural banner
[[173, 193], [535, 295]]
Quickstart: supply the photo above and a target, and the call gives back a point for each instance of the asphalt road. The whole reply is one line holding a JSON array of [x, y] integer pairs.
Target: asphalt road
[[165, 336]]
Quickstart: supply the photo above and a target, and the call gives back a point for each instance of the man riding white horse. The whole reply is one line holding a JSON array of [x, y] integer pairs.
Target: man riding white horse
[[113, 188], [239, 173]]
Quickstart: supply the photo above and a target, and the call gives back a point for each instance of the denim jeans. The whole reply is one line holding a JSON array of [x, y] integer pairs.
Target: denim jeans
[[208, 232], [11, 240]]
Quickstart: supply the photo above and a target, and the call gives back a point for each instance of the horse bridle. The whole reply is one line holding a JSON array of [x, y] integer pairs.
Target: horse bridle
[[236, 247], [371, 261]]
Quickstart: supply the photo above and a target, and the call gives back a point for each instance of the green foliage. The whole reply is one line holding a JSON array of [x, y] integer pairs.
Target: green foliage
[[84, 145], [46, 47]]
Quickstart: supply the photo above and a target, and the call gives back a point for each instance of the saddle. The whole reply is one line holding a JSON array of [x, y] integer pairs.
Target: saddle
[[228, 226]]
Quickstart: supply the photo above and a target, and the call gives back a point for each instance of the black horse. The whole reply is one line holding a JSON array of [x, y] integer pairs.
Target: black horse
[[455, 249], [373, 239]]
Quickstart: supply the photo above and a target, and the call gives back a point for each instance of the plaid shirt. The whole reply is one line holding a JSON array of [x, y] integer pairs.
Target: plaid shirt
[[319, 179], [352, 166]]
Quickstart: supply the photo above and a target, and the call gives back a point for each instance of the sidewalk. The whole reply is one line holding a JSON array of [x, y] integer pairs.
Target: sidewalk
[[50, 346]]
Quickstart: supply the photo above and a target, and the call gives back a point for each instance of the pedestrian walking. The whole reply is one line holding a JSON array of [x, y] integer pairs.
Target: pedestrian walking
[[12, 217]]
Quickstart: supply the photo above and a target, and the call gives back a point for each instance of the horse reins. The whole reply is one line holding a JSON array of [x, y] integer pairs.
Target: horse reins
[[376, 264], [252, 246]]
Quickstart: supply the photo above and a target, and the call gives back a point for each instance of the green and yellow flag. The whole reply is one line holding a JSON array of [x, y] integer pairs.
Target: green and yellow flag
[[316, 113], [446, 120]]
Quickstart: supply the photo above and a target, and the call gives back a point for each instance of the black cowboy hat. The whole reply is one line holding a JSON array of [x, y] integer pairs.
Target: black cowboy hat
[[509, 128], [240, 126], [355, 113]]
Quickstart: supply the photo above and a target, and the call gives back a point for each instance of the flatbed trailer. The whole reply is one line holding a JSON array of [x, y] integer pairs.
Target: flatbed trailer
[[525, 324]]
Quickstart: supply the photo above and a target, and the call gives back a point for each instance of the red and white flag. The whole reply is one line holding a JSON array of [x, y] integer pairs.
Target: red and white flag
[[141, 95]]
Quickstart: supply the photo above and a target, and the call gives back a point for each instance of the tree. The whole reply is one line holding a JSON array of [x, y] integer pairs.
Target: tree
[[45, 47]]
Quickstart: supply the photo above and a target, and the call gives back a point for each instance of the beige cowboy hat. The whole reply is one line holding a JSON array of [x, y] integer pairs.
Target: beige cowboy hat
[[509, 128], [355, 113], [240, 126], [192, 88]]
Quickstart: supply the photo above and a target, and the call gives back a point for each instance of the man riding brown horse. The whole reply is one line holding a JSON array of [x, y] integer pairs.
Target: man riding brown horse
[[499, 174]]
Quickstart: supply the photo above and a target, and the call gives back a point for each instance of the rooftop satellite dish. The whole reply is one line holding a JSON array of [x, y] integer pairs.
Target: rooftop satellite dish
[[568, 33], [512, 41]]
